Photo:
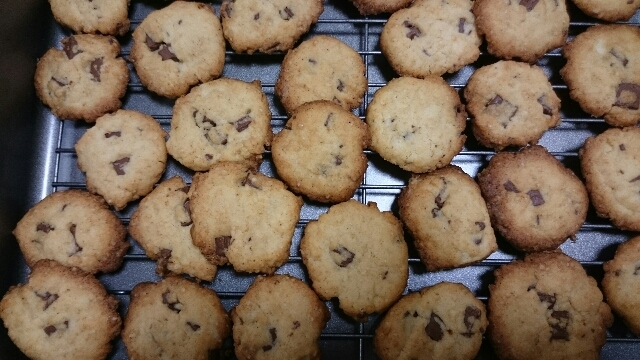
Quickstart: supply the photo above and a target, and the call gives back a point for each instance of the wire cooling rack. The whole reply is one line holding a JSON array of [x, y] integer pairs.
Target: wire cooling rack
[[344, 338]]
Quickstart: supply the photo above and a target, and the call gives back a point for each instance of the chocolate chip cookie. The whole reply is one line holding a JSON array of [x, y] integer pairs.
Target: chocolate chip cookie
[[603, 72], [84, 80], [511, 103], [108, 17], [609, 10], [372, 7], [279, 317], [444, 321], [357, 254], [546, 307], [123, 156], [60, 313], [74, 228], [534, 201]]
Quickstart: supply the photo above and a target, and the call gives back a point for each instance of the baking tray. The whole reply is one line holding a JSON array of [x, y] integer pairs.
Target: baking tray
[[37, 158]]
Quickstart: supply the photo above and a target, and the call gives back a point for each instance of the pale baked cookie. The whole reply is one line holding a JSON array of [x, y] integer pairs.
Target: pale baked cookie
[[446, 215], [603, 72], [74, 228], [267, 26], [609, 10], [242, 217], [161, 224], [534, 201], [178, 46], [322, 68], [546, 307], [109, 17], [610, 164], [279, 317], [417, 124], [511, 103], [84, 80], [319, 153], [431, 38], [372, 7], [444, 321], [123, 156], [522, 30], [60, 313], [174, 319], [221, 120], [621, 283], [357, 254]]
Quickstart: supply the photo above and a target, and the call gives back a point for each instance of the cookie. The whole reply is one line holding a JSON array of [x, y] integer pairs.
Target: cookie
[[603, 72], [357, 254], [243, 218], [621, 283], [609, 10], [609, 164], [268, 325], [446, 215], [174, 319], [546, 307], [444, 321], [373, 7], [108, 17], [321, 68], [74, 228], [431, 38], [178, 46], [533, 200], [511, 103], [203, 132], [256, 25], [320, 152], [123, 156], [522, 30], [84, 80], [161, 224], [60, 313], [417, 124]]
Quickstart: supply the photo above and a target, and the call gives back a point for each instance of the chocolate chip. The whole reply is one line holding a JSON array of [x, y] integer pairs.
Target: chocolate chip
[[193, 326], [412, 30], [531, 287], [187, 208], [635, 179], [559, 333], [546, 109], [113, 133], [222, 244], [119, 165], [152, 45], [481, 225], [163, 262], [497, 100], [313, 61], [172, 305], [529, 4], [50, 330], [94, 69], [340, 85], [438, 201], [471, 315], [296, 324], [384, 276], [434, 327], [286, 13], [461, 24], [208, 156], [477, 241], [184, 189], [48, 299], [44, 227], [256, 16], [536, 197], [620, 57], [338, 160], [76, 248], [70, 47], [509, 186], [556, 314], [166, 53], [344, 256], [273, 333], [621, 147], [628, 96], [59, 82], [547, 298], [328, 120], [242, 123]]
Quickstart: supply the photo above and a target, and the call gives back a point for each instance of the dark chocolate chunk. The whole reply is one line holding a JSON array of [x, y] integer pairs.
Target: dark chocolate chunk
[[243, 123], [187, 208], [119, 165], [340, 86], [50, 330], [438, 201], [529, 4], [113, 133], [44, 227], [172, 305], [313, 61], [222, 244], [628, 96], [547, 298], [166, 53], [267, 348], [560, 314], [497, 100], [620, 57], [208, 156], [256, 16], [635, 179], [546, 109], [412, 30], [70, 47], [461, 23], [273, 333], [471, 315], [338, 160], [481, 225], [76, 248], [184, 189], [152, 45], [559, 333], [296, 324], [536, 197], [286, 13], [48, 299], [193, 326], [509, 186], [163, 262], [59, 82], [477, 241], [345, 256], [434, 327], [622, 147], [94, 68]]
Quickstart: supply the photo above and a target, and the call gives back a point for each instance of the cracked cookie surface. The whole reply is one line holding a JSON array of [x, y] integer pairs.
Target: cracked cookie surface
[[444, 321], [417, 124], [74, 228], [177, 47], [122, 156], [357, 254], [534, 201], [108, 17], [174, 319], [446, 215], [546, 307], [60, 313], [83, 80]]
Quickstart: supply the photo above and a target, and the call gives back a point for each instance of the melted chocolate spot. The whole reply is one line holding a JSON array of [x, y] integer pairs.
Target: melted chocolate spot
[[412, 30], [631, 100], [497, 100], [208, 156], [547, 298], [113, 133], [187, 208], [48, 299], [267, 348], [172, 305], [461, 23], [222, 244], [193, 326], [546, 109], [340, 86], [296, 324], [152, 45], [345, 256], [256, 16], [536, 197], [184, 189], [622, 148], [481, 225], [166, 53], [242, 123], [50, 330], [635, 179], [434, 328], [509, 186], [163, 261], [119, 165], [338, 160], [529, 4], [313, 61], [286, 13], [471, 315], [44, 227], [559, 333], [273, 333], [94, 69], [70, 47]]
